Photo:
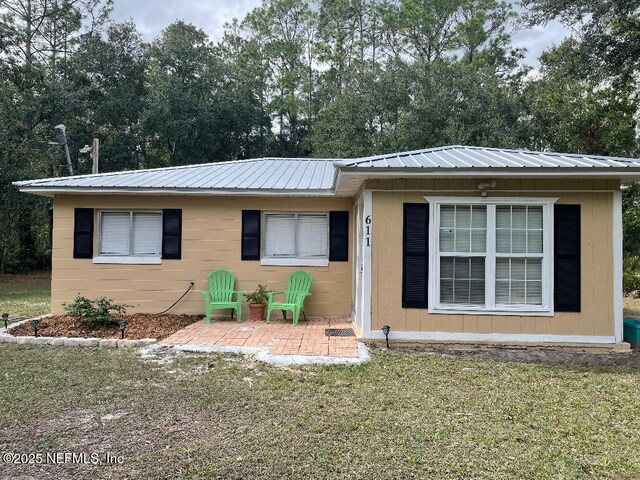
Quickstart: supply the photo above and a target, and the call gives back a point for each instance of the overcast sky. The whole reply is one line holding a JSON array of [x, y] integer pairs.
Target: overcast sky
[[151, 16]]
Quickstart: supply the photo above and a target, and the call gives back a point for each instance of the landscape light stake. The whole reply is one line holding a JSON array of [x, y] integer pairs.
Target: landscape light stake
[[5, 317], [386, 329], [122, 324], [34, 323]]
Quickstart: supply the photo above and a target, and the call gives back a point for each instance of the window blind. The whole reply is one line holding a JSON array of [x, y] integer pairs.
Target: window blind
[[519, 281], [280, 235], [130, 233], [519, 231], [463, 230], [462, 280], [312, 231], [291, 235], [114, 233], [147, 238]]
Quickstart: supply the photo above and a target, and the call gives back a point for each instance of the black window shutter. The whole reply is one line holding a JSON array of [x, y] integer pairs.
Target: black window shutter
[[415, 255], [172, 234], [83, 233], [250, 248], [339, 236], [566, 262]]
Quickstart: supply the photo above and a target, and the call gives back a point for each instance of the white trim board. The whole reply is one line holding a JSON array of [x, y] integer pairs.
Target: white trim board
[[489, 192], [493, 337], [617, 266], [367, 211], [295, 262], [515, 172], [127, 260], [493, 200], [179, 191]]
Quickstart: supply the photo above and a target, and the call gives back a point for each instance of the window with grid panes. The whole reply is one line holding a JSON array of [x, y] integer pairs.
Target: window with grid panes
[[492, 256]]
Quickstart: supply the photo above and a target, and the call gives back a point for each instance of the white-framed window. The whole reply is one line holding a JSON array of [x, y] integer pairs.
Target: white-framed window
[[491, 255], [295, 238], [129, 236]]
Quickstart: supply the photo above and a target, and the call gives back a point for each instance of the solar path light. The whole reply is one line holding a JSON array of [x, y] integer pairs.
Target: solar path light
[[386, 329]]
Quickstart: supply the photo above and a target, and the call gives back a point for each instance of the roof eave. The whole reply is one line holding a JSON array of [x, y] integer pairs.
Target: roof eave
[[628, 173], [51, 191]]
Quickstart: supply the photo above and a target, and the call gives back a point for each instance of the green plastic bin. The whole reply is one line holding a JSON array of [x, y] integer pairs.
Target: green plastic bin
[[631, 332]]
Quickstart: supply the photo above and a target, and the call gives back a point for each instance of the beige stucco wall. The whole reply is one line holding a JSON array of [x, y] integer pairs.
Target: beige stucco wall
[[211, 231], [596, 317]]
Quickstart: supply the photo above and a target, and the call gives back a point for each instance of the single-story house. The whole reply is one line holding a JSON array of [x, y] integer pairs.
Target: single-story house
[[452, 243]]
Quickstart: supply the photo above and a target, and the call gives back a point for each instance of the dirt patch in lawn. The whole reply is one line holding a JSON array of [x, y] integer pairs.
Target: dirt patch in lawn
[[139, 325], [553, 355]]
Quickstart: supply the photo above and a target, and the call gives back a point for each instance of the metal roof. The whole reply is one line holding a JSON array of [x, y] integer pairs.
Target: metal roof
[[258, 174], [300, 176], [456, 156]]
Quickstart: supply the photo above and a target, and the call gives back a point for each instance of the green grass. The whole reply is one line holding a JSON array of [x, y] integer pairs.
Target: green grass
[[25, 296], [400, 416]]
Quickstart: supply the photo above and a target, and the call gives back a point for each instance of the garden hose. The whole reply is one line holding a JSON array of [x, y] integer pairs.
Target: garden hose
[[191, 284]]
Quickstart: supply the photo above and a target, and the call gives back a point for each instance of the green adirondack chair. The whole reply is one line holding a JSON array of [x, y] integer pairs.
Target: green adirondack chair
[[298, 287], [220, 295]]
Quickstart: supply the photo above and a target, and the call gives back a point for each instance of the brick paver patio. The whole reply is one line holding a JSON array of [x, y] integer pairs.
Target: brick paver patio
[[282, 338]]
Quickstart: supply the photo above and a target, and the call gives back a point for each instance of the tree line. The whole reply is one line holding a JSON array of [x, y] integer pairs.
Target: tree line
[[299, 78]]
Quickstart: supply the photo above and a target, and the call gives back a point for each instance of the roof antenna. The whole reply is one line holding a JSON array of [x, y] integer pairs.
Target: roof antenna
[[62, 135]]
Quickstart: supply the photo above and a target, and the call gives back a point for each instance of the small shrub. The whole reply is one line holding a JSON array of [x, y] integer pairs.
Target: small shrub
[[98, 311]]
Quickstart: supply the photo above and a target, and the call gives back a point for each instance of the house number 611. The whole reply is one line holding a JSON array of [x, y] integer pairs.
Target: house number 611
[[367, 231]]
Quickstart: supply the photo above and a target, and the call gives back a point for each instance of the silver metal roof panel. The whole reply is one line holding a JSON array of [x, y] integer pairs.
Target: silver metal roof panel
[[484, 157], [319, 176]]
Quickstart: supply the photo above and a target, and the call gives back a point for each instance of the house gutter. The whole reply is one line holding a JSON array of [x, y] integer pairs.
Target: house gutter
[[50, 191], [512, 172]]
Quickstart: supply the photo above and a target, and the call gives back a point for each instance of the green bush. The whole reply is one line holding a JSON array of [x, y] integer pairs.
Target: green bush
[[631, 273], [98, 311]]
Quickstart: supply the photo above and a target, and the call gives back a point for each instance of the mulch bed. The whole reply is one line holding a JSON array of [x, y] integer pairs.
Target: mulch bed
[[139, 325]]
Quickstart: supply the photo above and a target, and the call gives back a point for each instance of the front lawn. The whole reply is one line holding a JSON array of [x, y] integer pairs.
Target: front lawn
[[400, 416], [25, 296]]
